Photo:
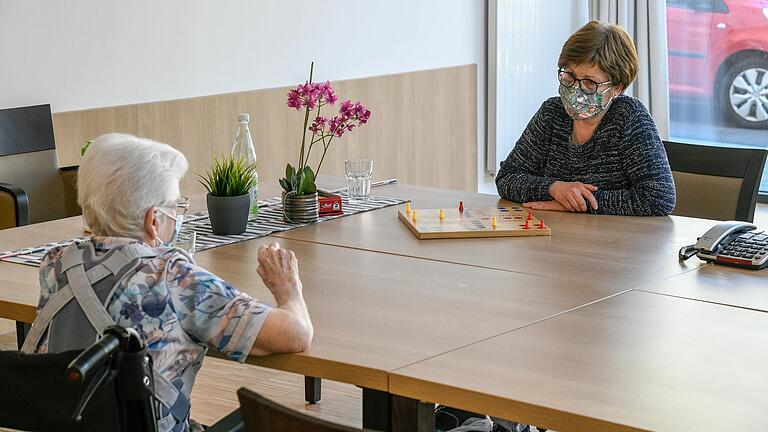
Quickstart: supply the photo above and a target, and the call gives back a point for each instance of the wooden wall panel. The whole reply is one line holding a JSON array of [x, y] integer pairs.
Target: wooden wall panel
[[423, 128]]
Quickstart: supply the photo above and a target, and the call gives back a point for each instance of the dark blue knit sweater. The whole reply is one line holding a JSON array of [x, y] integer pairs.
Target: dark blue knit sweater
[[624, 158]]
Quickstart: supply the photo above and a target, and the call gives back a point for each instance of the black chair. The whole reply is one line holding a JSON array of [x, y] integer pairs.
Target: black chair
[[716, 182], [28, 163]]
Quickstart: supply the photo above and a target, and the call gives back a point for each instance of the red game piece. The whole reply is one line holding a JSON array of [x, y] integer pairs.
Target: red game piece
[[541, 223], [530, 216], [527, 224], [461, 206]]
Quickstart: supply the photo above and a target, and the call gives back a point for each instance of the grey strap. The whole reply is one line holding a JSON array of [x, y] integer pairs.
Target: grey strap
[[71, 256], [56, 302], [94, 311]]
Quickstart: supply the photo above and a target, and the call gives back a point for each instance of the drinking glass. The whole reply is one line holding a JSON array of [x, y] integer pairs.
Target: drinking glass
[[359, 173], [186, 241]]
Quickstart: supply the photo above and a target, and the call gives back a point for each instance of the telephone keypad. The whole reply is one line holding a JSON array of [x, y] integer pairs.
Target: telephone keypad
[[747, 246]]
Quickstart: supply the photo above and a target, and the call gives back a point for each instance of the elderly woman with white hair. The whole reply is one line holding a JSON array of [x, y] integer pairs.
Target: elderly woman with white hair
[[128, 188]]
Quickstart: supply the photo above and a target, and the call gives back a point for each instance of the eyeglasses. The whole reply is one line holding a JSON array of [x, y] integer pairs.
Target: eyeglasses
[[180, 207], [586, 85]]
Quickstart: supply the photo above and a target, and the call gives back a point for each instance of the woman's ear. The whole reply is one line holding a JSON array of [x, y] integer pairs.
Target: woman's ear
[[151, 226]]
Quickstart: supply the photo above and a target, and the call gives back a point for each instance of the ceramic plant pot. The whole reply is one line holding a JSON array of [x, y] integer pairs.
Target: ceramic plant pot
[[229, 215]]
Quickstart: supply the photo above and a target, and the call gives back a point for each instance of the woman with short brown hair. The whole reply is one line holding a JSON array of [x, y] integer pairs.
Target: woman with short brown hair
[[593, 149]]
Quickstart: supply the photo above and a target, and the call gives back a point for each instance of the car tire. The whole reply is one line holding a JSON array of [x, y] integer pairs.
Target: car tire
[[743, 93]]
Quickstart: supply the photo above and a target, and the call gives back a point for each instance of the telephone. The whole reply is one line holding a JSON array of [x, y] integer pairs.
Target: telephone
[[733, 243]]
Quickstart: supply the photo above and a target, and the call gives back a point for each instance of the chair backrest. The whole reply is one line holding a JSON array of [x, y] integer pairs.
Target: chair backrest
[[261, 414], [37, 395], [716, 182], [111, 380], [28, 160]]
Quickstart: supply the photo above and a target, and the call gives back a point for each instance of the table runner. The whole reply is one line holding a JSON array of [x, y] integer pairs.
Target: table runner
[[268, 221]]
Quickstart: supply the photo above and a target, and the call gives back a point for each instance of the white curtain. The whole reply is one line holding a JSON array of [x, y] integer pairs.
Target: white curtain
[[646, 22]]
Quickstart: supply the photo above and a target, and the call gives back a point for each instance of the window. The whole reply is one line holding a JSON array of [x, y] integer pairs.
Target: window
[[524, 42], [718, 73]]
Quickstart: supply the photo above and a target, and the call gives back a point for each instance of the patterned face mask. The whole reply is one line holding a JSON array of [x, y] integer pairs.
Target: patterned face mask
[[581, 106]]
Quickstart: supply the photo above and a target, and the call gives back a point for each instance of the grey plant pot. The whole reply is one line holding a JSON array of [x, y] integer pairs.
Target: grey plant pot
[[229, 215]]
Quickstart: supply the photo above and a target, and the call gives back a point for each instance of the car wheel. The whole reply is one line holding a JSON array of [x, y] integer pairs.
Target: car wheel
[[744, 93]]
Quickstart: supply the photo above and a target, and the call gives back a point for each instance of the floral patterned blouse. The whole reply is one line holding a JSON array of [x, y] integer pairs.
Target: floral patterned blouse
[[178, 308]]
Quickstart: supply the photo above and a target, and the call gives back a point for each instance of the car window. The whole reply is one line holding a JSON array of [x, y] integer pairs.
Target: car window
[[717, 6]]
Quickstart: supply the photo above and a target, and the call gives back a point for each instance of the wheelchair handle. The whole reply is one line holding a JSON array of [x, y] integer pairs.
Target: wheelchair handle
[[93, 357]]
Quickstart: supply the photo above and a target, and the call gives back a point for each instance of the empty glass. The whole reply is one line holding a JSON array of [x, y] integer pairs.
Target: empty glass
[[359, 173], [186, 241]]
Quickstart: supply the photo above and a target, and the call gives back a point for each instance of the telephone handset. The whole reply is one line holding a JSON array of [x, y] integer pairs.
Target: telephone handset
[[731, 243]]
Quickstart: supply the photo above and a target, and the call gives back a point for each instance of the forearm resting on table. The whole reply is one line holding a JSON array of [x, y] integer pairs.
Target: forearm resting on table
[[287, 329]]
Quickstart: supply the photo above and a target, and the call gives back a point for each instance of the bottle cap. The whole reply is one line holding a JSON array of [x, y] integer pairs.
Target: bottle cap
[[243, 118]]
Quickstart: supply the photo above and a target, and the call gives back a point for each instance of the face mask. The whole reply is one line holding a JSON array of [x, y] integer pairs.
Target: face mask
[[176, 229], [582, 106]]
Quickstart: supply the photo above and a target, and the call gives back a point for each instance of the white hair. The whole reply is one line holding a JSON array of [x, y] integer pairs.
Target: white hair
[[121, 177]]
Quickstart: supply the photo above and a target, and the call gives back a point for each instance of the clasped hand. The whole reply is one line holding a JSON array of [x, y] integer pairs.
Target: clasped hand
[[568, 196]]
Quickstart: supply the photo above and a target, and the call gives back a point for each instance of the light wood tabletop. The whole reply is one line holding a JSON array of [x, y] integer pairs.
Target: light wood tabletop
[[718, 284], [626, 251], [636, 361], [374, 312]]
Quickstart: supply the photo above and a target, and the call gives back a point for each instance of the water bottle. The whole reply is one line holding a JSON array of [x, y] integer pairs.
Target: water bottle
[[243, 147]]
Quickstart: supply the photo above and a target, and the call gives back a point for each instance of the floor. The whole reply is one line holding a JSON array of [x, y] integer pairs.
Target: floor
[[214, 394]]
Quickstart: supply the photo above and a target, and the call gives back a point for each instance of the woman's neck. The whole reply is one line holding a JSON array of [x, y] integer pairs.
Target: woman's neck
[[584, 129]]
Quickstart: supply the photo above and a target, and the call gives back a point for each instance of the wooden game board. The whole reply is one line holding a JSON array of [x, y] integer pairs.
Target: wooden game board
[[510, 222]]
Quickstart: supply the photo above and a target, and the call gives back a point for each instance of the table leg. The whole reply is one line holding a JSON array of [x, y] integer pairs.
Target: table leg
[[412, 415], [377, 410], [22, 329], [312, 389], [386, 412]]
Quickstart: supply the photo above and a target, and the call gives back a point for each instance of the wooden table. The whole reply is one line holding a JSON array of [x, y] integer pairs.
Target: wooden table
[[383, 302], [718, 284], [623, 251], [636, 361]]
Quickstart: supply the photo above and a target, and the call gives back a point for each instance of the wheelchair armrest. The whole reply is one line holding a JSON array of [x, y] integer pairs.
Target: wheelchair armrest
[[233, 422], [20, 200]]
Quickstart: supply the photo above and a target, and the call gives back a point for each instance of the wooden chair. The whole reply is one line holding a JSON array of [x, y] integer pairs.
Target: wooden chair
[[261, 414], [716, 182]]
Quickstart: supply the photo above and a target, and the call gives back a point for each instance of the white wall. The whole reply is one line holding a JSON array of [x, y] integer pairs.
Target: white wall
[[529, 35], [79, 54]]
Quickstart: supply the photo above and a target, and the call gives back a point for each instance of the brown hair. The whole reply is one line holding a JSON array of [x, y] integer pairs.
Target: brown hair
[[605, 45]]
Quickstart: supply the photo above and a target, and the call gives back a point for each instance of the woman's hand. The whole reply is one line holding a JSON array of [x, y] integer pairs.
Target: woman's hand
[[573, 196], [288, 327], [279, 270], [545, 205]]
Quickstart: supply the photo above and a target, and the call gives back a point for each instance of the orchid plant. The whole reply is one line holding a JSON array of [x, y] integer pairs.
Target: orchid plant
[[312, 97]]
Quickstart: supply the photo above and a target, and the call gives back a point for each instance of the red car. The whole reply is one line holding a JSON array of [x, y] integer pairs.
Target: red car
[[718, 50]]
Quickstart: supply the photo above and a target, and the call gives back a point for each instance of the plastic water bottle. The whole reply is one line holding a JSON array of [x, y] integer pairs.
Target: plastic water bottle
[[243, 147]]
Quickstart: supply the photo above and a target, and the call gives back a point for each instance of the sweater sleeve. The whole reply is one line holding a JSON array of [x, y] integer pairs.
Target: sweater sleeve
[[652, 190], [519, 179]]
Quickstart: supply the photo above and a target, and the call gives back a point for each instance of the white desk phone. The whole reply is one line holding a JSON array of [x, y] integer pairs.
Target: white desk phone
[[733, 243]]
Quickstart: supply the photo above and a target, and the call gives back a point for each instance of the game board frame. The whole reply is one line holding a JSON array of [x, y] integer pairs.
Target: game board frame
[[428, 214]]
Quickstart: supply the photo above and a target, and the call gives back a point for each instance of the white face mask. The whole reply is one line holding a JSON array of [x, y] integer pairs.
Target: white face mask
[[178, 219]]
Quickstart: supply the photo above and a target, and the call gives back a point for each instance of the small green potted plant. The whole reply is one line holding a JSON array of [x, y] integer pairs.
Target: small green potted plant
[[299, 188], [228, 183]]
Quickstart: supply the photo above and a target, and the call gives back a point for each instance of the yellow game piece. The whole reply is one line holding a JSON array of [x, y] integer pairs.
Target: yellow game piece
[[407, 207], [414, 216], [442, 214], [493, 222]]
